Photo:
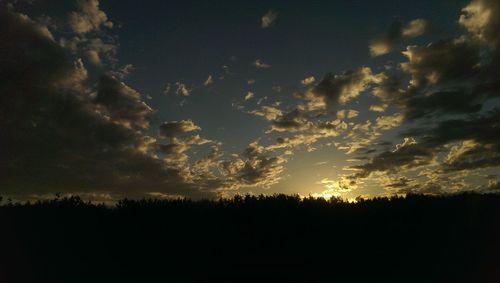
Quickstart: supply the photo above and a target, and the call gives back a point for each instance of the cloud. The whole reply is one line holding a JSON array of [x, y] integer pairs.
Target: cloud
[[445, 61], [482, 18], [390, 90], [329, 128], [249, 95], [122, 104], [390, 121], [339, 89], [387, 42], [182, 89], [89, 18], [260, 64], [469, 144], [67, 134], [208, 81], [100, 48], [293, 121], [311, 133], [493, 185], [268, 19], [408, 154], [308, 80], [333, 188], [414, 28], [254, 170], [479, 135], [93, 57], [270, 113], [293, 142], [347, 114], [399, 183], [172, 129], [68, 129], [87, 39], [58, 141], [446, 77], [167, 89], [175, 152], [378, 108], [122, 72]]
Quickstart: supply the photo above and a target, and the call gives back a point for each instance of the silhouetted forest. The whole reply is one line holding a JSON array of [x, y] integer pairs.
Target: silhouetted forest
[[279, 238]]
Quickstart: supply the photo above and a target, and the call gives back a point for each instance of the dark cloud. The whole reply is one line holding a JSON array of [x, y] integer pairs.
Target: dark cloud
[[482, 19], [63, 133], [390, 89], [122, 103], [255, 169], [450, 77], [449, 61], [480, 146], [479, 156], [407, 155], [443, 102], [336, 89], [57, 137], [431, 188], [444, 78], [481, 128], [401, 182], [481, 133], [89, 17], [293, 121], [175, 153]]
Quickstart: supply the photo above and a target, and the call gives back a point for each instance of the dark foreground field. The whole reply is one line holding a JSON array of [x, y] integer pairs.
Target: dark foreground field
[[254, 239]]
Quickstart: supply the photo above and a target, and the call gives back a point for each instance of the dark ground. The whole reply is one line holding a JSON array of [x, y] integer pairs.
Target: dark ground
[[253, 239]]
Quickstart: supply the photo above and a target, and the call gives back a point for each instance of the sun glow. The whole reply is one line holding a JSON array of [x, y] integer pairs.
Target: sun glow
[[333, 189]]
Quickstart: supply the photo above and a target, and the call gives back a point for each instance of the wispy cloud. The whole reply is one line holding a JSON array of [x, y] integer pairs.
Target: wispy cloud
[[268, 19], [259, 64], [249, 95], [208, 81]]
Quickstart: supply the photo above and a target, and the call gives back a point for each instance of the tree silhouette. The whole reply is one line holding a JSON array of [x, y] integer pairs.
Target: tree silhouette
[[278, 238]]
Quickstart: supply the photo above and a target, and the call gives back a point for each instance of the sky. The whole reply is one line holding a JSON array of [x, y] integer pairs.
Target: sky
[[207, 99]]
